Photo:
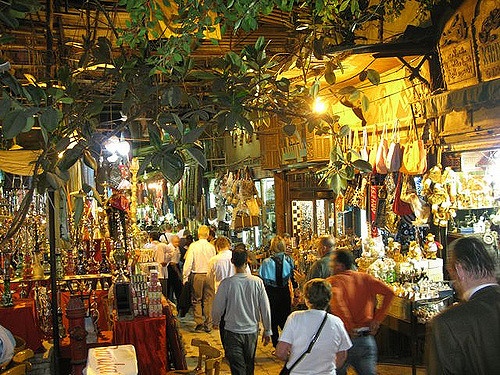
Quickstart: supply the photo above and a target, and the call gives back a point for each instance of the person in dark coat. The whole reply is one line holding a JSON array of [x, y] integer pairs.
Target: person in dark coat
[[465, 339], [277, 274]]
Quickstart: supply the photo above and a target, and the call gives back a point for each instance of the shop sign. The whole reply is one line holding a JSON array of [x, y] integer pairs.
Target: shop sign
[[457, 53], [487, 37]]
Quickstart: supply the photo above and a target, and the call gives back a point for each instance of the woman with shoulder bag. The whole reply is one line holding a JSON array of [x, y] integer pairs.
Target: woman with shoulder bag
[[313, 341]]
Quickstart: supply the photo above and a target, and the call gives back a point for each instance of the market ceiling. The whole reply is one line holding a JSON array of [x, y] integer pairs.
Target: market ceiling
[[74, 21]]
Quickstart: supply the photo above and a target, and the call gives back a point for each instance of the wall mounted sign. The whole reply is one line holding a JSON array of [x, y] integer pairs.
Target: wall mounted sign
[[456, 50], [487, 38]]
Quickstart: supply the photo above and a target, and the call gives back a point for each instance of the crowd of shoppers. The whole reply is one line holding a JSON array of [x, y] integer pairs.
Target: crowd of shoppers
[[343, 307]]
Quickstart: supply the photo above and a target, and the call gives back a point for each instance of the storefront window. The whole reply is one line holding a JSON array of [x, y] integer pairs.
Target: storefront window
[[268, 204]]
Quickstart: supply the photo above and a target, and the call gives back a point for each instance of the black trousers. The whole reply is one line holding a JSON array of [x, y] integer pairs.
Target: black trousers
[[281, 306], [174, 285]]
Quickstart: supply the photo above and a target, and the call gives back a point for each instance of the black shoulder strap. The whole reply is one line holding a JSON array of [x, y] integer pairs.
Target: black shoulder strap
[[311, 344], [279, 270]]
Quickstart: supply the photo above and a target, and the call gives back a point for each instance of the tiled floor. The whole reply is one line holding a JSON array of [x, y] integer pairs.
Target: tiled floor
[[265, 362]]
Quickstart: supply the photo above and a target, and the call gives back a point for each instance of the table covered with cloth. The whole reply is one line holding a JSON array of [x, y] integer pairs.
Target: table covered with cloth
[[148, 335], [21, 320]]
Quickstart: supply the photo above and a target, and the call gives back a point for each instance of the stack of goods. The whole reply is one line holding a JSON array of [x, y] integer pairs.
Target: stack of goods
[[416, 275], [154, 296], [139, 290], [373, 249]]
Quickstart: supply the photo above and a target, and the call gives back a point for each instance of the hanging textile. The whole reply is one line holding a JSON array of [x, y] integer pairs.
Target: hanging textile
[[19, 162]]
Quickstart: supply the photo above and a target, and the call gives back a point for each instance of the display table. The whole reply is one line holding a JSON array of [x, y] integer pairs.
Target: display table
[[403, 317], [20, 319], [148, 335]]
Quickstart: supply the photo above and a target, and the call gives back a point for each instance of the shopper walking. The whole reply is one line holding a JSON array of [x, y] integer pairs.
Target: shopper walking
[[196, 267], [354, 301], [242, 300], [167, 234], [220, 267], [277, 274], [306, 349], [174, 284], [465, 339], [321, 267], [163, 256]]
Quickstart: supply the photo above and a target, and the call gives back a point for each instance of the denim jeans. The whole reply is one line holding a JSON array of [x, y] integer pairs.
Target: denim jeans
[[362, 356], [240, 351]]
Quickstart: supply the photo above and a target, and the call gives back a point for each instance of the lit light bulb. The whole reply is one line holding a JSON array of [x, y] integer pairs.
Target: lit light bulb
[[319, 106], [123, 148], [112, 144], [112, 158]]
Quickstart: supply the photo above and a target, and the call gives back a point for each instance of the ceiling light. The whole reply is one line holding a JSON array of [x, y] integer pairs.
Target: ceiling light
[[319, 106], [112, 158], [112, 144], [123, 148]]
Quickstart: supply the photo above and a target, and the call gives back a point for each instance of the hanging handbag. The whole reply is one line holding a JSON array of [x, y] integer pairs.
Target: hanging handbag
[[414, 154], [400, 207], [394, 153], [285, 370], [382, 150], [355, 144], [373, 149]]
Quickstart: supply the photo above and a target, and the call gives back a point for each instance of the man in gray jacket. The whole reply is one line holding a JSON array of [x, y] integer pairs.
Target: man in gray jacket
[[321, 267], [244, 300]]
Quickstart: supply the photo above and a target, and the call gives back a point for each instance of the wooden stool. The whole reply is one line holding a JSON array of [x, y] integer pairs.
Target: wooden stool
[[208, 355]]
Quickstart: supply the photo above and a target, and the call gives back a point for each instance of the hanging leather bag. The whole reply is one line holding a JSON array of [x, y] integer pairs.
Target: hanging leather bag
[[382, 150], [373, 149], [400, 207], [394, 153], [414, 154]]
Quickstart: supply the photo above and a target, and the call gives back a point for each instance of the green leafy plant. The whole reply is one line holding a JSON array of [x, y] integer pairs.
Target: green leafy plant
[[344, 164], [153, 76]]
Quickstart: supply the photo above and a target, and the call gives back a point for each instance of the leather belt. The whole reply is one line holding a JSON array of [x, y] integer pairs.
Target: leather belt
[[360, 332]]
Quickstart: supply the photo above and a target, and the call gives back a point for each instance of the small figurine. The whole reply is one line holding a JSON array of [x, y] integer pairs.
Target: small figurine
[[431, 247], [393, 248], [414, 251]]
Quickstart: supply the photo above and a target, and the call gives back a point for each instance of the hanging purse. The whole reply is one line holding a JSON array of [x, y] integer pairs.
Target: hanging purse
[[400, 207], [382, 150], [394, 153], [285, 370], [355, 144], [414, 154]]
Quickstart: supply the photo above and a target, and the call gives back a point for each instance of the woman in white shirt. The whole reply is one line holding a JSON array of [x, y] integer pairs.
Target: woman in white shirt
[[330, 349]]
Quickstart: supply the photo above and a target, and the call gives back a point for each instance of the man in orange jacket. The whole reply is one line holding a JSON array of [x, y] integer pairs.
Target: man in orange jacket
[[354, 301]]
